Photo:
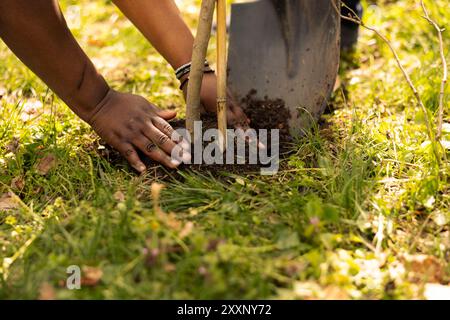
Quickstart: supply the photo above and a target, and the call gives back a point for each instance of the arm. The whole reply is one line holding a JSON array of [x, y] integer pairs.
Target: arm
[[37, 33], [161, 23]]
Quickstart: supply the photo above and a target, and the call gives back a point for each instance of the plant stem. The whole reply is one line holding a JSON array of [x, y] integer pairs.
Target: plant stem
[[222, 72], [198, 59]]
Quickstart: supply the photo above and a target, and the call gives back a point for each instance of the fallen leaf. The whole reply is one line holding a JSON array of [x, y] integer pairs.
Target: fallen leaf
[[8, 201], [423, 267], [18, 183], [30, 109], [337, 84], [307, 290], [95, 42], [156, 189], [91, 276], [13, 145], [46, 292], [45, 164], [172, 222], [169, 267], [434, 291], [440, 218], [187, 229], [119, 196], [334, 293]]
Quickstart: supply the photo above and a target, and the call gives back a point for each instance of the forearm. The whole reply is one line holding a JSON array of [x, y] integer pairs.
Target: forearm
[[161, 23], [37, 33]]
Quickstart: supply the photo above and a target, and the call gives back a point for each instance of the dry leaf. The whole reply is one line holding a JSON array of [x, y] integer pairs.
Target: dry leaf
[[156, 193], [8, 201], [440, 218], [91, 276], [187, 229], [172, 222], [334, 293], [169, 267], [18, 183], [434, 291], [119, 196], [95, 42], [46, 292], [45, 164], [13, 145], [337, 84], [307, 290], [30, 109], [423, 267]]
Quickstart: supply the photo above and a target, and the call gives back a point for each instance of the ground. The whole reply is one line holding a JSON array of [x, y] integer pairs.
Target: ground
[[359, 210]]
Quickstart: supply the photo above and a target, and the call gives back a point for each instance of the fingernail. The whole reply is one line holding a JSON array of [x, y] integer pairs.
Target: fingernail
[[141, 168], [175, 162]]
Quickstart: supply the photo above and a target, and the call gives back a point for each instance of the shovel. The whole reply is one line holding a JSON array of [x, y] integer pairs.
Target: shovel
[[288, 50]]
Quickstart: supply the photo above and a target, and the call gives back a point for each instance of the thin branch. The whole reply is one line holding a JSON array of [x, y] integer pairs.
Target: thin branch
[[198, 64], [444, 72], [353, 17]]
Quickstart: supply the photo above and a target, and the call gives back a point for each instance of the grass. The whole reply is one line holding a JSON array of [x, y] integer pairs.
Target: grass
[[360, 210]]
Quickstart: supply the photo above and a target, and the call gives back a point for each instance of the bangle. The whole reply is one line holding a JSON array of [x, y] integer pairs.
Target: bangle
[[185, 81], [185, 69]]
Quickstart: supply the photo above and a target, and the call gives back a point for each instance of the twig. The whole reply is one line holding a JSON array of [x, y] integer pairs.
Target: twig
[[444, 72], [198, 59], [222, 72], [353, 17]]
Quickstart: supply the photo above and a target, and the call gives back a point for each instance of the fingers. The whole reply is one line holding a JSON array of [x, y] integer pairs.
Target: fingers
[[240, 121], [163, 126], [159, 138], [129, 152], [237, 118], [167, 114], [179, 152], [151, 150]]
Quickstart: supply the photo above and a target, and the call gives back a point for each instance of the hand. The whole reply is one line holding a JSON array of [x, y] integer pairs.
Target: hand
[[235, 115], [129, 122]]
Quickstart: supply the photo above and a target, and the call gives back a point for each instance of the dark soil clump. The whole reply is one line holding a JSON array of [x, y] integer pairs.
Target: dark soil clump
[[268, 114], [264, 114]]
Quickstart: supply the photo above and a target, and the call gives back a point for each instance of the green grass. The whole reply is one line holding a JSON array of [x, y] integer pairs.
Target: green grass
[[360, 210]]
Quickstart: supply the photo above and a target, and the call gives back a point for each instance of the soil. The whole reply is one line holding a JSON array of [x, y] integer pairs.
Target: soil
[[263, 114]]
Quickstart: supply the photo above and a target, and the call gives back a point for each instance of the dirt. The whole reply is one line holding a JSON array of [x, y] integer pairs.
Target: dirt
[[263, 114], [268, 114]]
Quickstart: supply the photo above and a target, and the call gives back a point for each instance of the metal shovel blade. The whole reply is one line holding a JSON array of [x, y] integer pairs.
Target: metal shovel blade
[[288, 50]]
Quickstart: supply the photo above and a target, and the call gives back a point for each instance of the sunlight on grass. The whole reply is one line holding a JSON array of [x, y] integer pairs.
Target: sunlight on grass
[[360, 208]]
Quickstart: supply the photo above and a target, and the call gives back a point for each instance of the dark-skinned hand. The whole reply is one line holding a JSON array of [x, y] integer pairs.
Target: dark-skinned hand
[[129, 123]]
